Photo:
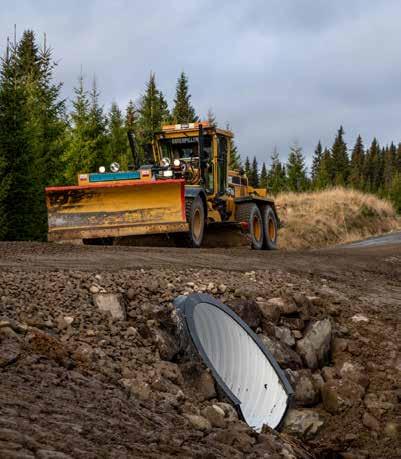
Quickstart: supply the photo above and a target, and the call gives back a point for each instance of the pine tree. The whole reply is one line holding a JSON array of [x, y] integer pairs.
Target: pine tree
[[97, 124], [117, 137], [389, 167], [325, 174], [131, 115], [183, 112], [78, 156], [254, 174], [297, 179], [317, 158], [247, 167], [211, 118], [263, 176], [356, 165], [373, 167], [153, 111], [340, 160], [277, 180], [235, 159]]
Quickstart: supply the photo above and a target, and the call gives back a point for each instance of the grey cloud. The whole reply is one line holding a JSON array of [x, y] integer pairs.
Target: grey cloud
[[277, 71]]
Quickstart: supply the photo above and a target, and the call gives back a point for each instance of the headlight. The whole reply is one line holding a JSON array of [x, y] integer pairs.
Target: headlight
[[114, 167], [165, 162], [168, 173], [102, 169], [177, 163]]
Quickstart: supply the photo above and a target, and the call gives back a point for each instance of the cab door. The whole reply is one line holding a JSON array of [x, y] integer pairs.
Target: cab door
[[222, 167]]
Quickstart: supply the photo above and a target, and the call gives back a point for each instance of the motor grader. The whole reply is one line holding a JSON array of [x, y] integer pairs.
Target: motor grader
[[182, 187]]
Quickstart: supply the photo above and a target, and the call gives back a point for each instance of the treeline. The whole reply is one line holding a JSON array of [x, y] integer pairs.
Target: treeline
[[374, 170], [45, 141]]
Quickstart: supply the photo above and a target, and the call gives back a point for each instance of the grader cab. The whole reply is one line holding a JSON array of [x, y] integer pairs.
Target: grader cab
[[183, 188]]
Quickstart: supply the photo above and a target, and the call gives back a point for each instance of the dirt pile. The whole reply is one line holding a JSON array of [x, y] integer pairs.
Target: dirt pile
[[91, 366], [335, 216]]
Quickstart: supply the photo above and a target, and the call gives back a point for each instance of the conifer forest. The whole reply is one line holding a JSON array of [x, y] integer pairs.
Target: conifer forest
[[47, 140]]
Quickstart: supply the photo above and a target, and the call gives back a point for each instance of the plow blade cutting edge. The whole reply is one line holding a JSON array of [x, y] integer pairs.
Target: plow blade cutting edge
[[116, 209]]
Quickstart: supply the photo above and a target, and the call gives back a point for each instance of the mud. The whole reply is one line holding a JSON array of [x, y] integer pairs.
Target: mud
[[75, 382]]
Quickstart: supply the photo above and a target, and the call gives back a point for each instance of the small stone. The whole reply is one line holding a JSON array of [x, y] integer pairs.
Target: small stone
[[210, 286], [285, 306], [284, 335], [339, 395], [64, 322], [370, 422], [205, 386], [131, 331], [139, 389], [190, 284], [222, 288], [359, 318], [110, 302], [215, 415], [94, 289], [314, 347], [131, 294], [306, 392], [270, 312], [229, 411], [392, 430], [199, 422]]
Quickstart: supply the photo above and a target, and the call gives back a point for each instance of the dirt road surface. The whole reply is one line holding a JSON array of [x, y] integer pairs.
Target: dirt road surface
[[74, 383]]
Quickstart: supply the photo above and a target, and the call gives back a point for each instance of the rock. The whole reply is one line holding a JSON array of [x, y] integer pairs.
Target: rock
[[339, 395], [329, 373], [306, 392], [166, 344], [94, 289], [359, 318], [131, 294], [284, 335], [170, 371], [303, 423], [215, 415], [110, 302], [249, 312], [314, 347], [392, 430], [10, 350], [339, 345], [198, 422], [230, 412], [355, 373], [270, 312], [131, 331], [285, 356], [205, 386], [285, 306], [222, 288], [370, 422], [140, 389], [64, 322], [293, 323]]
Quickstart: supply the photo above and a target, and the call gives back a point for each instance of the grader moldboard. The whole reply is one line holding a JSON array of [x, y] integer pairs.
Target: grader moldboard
[[184, 189]]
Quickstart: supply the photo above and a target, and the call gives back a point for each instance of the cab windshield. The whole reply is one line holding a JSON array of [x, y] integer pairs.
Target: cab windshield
[[184, 148]]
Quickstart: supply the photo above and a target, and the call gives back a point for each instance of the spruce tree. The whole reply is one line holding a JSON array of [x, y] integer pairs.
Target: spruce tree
[[276, 176], [317, 158], [395, 192], [117, 137], [297, 179], [211, 118], [373, 167], [254, 174], [153, 112], [325, 174], [247, 167], [389, 169], [263, 176], [183, 111], [340, 160], [235, 159], [356, 165]]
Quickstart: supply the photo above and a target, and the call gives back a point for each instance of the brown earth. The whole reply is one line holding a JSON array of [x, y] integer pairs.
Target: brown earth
[[74, 382]]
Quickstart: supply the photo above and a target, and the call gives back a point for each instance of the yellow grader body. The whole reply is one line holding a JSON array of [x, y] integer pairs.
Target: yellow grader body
[[183, 188]]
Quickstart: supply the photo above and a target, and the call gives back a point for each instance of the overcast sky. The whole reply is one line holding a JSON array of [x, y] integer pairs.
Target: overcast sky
[[278, 71]]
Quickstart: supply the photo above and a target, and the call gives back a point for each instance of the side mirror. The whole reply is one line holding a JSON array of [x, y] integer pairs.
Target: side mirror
[[241, 171]]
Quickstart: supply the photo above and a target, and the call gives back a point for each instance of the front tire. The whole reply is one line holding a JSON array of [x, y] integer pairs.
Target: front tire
[[195, 215]]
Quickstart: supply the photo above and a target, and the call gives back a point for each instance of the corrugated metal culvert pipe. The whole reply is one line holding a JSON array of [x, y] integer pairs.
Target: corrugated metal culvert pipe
[[243, 368]]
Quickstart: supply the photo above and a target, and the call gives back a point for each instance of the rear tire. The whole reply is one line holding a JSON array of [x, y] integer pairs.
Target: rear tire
[[269, 228], [250, 213]]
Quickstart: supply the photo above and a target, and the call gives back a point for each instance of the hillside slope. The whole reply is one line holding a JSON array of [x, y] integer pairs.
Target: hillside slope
[[334, 216]]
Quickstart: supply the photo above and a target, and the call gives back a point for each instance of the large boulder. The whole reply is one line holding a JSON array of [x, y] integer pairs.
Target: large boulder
[[340, 394], [303, 423], [314, 347], [285, 356]]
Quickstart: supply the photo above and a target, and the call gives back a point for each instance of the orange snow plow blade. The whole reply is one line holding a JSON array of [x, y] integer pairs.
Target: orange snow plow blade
[[116, 209]]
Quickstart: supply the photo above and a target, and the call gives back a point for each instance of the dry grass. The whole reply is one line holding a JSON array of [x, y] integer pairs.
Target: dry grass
[[334, 216]]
